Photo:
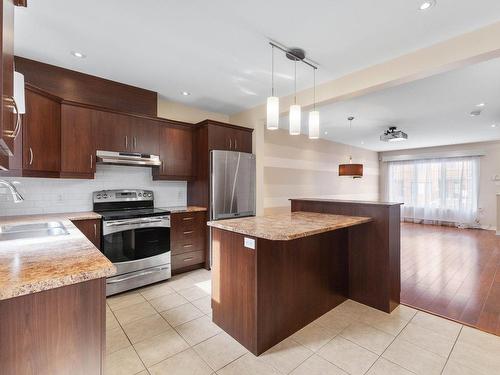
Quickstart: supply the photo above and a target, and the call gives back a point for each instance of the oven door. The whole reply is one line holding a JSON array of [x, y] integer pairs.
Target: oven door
[[136, 244]]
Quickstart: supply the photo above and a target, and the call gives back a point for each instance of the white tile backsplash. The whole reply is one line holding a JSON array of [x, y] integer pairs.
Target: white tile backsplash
[[51, 195]]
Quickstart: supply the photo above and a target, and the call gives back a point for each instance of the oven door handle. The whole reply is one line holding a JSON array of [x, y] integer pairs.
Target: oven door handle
[[133, 223], [114, 281]]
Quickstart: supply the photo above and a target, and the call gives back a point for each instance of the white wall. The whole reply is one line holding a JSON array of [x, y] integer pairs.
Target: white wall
[[48, 195], [298, 167], [489, 167]]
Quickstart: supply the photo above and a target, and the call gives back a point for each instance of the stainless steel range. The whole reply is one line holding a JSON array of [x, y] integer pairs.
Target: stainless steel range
[[135, 237]]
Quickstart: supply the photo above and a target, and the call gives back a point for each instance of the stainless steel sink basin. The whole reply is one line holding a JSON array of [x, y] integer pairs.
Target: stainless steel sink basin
[[17, 231]]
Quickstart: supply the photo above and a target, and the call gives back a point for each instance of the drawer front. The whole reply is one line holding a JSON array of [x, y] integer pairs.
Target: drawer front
[[187, 259], [188, 240], [188, 221]]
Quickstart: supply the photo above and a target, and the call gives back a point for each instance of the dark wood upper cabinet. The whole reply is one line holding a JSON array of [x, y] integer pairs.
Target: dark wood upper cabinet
[[42, 135], [144, 136], [113, 131], [77, 142], [7, 117], [176, 151], [125, 133], [229, 137]]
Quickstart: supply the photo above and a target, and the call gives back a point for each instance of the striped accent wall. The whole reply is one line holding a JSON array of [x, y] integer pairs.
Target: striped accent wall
[[298, 167]]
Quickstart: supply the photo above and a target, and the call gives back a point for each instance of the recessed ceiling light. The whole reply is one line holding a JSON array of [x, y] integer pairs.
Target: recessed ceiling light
[[185, 93], [493, 125], [362, 142], [326, 133], [480, 105], [80, 55], [475, 113], [427, 4]]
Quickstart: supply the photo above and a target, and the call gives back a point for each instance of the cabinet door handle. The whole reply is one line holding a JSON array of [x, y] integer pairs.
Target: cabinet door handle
[[188, 232], [126, 142], [91, 161], [135, 143], [189, 245], [31, 156], [235, 144], [95, 231], [187, 218], [230, 144], [14, 133], [188, 259]]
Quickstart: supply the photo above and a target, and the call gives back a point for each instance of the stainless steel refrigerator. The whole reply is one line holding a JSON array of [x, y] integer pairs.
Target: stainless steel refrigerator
[[232, 184]]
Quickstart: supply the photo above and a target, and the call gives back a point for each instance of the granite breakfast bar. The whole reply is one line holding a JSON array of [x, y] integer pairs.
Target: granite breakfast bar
[[274, 274]]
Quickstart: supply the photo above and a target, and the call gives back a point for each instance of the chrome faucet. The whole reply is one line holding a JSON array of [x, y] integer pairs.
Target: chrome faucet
[[13, 191]]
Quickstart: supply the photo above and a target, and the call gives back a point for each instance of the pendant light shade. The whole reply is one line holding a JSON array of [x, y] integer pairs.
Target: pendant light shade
[[313, 125], [314, 115], [273, 102], [273, 112], [351, 170], [295, 117]]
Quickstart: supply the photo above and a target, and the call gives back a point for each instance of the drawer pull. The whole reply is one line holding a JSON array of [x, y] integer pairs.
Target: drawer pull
[[187, 218], [190, 245], [188, 259], [189, 232]]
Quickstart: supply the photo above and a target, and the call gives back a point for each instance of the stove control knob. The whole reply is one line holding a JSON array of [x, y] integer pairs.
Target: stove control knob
[[105, 196], [140, 194], [150, 195], [98, 196]]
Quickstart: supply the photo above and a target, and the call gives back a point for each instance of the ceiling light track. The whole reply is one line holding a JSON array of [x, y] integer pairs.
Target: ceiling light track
[[294, 54]]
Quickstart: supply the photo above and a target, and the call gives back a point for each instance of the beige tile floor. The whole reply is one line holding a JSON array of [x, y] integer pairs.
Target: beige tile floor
[[167, 329]]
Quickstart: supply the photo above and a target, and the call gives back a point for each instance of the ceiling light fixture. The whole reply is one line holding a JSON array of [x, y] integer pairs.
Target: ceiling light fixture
[[393, 135], [273, 102], [426, 5], [185, 93], [351, 170], [79, 55], [314, 115], [295, 114], [480, 105], [493, 125], [475, 113]]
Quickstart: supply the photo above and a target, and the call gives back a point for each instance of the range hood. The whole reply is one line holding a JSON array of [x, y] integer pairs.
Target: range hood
[[128, 158]]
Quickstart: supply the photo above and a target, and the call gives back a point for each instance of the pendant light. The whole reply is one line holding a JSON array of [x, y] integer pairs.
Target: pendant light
[[351, 170], [273, 102], [295, 112], [314, 115]]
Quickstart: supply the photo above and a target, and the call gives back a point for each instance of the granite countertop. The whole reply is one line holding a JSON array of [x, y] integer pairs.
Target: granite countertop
[[182, 209], [36, 264], [379, 203], [289, 225]]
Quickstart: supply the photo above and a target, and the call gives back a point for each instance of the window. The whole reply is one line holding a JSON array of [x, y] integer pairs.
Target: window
[[436, 190]]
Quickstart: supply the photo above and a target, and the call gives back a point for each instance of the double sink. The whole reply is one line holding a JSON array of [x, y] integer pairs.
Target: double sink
[[35, 230]]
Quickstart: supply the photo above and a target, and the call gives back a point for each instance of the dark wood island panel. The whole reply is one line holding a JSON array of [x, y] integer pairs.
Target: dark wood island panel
[[374, 249], [263, 295]]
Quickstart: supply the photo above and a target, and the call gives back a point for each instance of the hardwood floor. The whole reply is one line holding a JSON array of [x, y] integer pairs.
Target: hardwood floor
[[452, 272]]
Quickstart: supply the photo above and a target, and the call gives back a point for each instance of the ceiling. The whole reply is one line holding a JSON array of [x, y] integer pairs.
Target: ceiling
[[433, 111], [217, 50]]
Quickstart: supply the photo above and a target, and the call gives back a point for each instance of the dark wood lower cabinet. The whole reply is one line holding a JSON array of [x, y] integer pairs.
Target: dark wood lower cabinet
[[188, 234], [91, 229], [55, 332]]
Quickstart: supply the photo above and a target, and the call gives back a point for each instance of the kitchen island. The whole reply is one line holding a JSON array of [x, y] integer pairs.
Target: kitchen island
[[274, 274], [52, 299]]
